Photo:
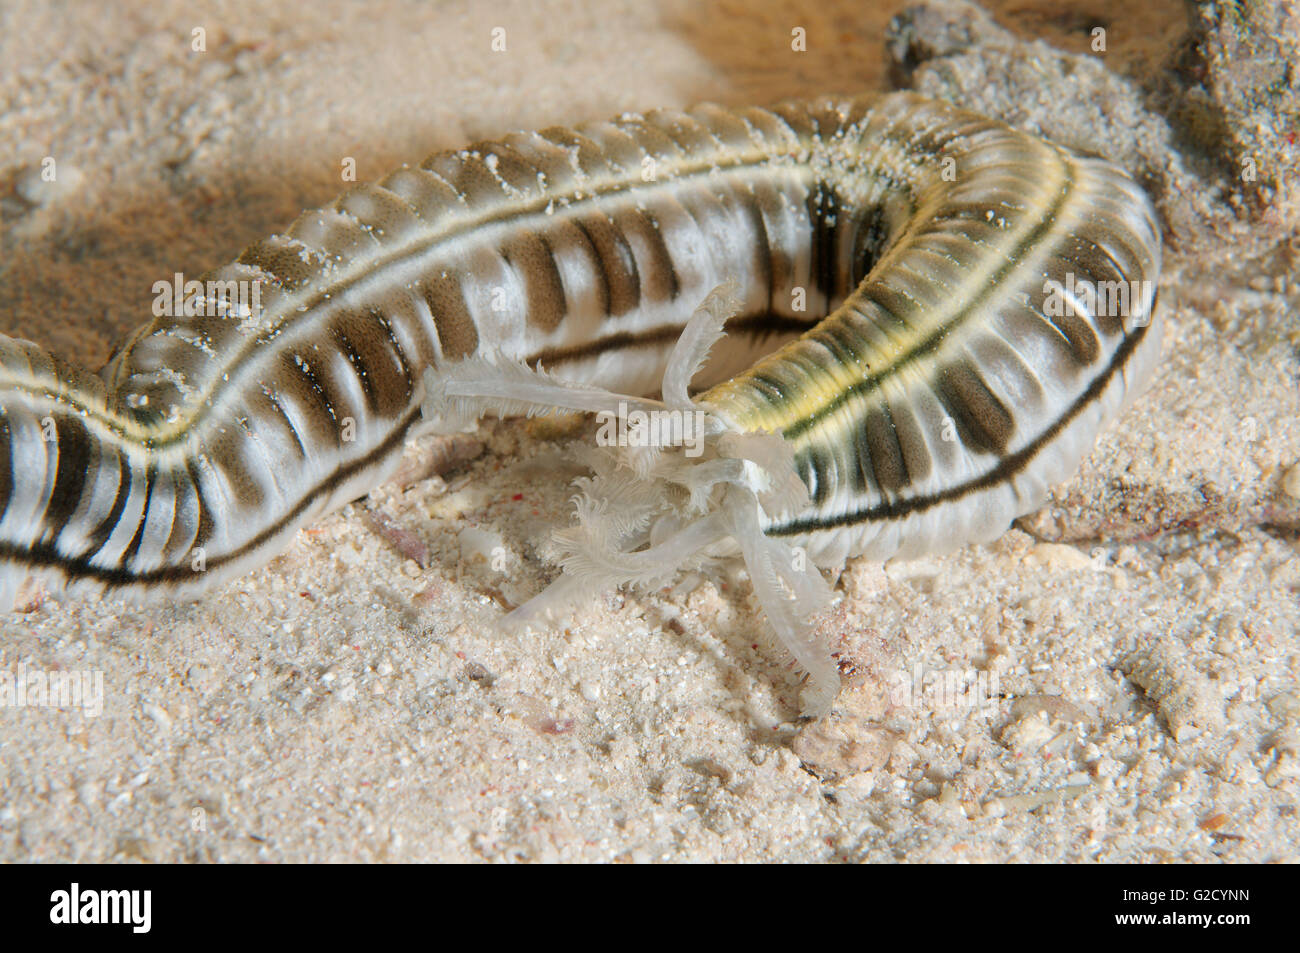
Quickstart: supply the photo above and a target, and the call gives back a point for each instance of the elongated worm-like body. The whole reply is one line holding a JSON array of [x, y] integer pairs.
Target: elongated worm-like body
[[919, 254]]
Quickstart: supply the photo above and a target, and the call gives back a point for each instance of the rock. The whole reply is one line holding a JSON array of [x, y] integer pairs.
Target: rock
[[1240, 100], [1185, 698]]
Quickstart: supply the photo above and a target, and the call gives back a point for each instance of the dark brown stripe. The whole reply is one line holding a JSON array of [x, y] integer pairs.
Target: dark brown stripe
[[185, 515], [100, 536], [762, 263], [656, 270], [820, 462], [571, 234], [379, 210], [205, 526], [457, 332], [1006, 469], [545, 303], [1082, 339], [512, 166], [772, 216], [6, 463], [614, 261], [399, 354], [227, 454], [274, 411], [133, 548], [822, 212], [917, 460], [317, 394], [368, 350], [1091, 262], [281, 259], [983, 421], [468, 175], [879, 452], [73, 452]]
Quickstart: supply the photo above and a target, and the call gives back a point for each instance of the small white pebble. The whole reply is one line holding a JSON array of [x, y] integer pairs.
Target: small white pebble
[[1058, 557], [159, 715]]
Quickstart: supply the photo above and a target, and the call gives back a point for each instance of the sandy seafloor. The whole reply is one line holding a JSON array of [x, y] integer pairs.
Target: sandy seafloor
[[343, 703]]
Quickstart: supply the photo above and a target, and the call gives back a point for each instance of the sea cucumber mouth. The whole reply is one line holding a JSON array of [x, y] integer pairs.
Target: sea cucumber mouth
[[674, 488]]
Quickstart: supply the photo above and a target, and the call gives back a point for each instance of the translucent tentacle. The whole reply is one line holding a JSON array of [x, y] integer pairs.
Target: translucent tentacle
[[653, 510]]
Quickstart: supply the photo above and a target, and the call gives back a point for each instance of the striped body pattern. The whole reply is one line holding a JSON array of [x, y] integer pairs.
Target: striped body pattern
[[893, 261]]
